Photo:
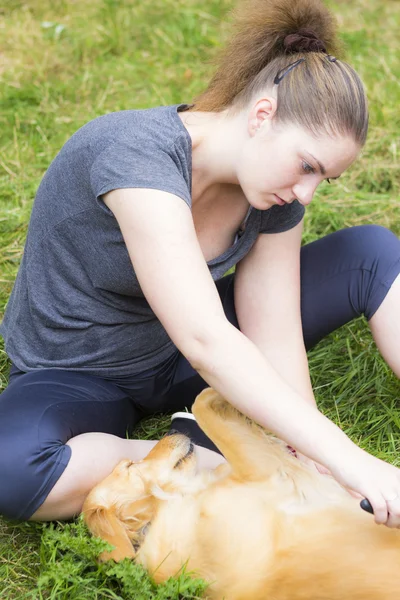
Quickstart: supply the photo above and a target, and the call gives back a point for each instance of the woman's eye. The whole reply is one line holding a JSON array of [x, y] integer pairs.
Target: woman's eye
[[308, 168]]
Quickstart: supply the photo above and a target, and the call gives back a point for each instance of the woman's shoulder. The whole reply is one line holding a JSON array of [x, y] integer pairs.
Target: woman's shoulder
[[135, 123], [154, 130]]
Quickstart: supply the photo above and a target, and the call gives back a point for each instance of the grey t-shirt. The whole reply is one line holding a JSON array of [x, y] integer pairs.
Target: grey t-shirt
[[76, 302]]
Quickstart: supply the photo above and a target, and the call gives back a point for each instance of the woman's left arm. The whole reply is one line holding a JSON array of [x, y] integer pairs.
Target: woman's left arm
[[267, 302]]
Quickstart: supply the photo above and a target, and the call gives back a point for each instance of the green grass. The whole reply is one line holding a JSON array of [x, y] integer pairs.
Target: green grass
[[65, 62]]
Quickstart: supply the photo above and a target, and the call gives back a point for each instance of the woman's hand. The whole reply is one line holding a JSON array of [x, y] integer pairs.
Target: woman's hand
[[376, 480]]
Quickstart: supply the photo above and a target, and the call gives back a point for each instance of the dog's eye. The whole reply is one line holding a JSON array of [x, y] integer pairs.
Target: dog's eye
[[188, 453]]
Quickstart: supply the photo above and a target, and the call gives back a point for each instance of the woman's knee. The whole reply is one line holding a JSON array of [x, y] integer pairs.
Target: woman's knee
[[344, 275], [372, 243], [33, 453], [39, 412], [27, 475], [378, 251]]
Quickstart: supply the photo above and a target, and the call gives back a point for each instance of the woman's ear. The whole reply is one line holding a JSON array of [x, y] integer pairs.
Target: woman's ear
[[262, 113]]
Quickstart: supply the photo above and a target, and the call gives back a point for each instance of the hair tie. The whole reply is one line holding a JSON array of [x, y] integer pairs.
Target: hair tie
[[304, 40]]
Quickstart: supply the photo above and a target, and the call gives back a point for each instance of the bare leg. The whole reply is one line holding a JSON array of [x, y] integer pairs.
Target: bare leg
[[94, 455], [385, 327]]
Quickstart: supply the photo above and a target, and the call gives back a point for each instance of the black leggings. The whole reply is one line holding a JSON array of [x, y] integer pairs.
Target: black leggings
[[343, 275]]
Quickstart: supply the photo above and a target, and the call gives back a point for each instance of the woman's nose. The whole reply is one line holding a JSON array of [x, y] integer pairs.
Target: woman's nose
[[304, 192]]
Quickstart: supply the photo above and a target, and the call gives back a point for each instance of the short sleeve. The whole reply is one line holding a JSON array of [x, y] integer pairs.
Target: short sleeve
[[281, 218], [137, 164]]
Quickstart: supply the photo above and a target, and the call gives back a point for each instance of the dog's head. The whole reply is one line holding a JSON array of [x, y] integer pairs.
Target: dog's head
[[121, 507]]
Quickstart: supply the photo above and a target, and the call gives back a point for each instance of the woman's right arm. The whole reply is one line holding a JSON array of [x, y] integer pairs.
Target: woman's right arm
[[161, 239]]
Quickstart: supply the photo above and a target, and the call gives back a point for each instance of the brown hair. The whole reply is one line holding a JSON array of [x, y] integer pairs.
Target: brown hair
[[320, 93]]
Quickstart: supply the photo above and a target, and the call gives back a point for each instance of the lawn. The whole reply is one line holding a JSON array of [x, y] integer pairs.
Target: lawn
[[64, 62]]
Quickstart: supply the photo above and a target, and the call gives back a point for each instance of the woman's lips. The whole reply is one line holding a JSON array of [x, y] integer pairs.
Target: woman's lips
[[279, 200]]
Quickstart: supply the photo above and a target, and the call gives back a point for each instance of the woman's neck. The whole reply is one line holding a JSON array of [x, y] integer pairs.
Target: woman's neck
[[216, 140]]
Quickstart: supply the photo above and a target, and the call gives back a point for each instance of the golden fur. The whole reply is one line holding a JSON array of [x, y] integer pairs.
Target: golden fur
[[263, 527]]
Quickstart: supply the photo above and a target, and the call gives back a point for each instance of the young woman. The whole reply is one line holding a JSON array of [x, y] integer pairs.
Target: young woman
[[120, 308]]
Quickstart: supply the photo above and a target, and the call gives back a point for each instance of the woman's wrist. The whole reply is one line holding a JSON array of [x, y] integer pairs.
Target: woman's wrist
[[234, 366], [341, 455]]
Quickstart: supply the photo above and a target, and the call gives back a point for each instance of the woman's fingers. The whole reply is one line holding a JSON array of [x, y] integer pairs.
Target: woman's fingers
[[393, 504], [379, 483], [379, 507], [389, 510]]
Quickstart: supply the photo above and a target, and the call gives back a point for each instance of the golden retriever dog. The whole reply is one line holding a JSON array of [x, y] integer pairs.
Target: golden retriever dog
[[263, 527]]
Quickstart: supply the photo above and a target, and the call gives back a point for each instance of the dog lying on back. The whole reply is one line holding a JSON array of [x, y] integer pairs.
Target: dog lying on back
[[263, 527]]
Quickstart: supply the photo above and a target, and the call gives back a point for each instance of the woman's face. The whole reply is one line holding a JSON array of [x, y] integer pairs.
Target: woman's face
[[278, 164]]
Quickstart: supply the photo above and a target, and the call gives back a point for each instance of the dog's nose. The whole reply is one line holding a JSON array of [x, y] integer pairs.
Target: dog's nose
[[173, 432], [182, 434]]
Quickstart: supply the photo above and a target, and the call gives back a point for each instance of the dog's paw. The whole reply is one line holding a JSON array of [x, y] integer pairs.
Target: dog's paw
[[211, 401], [207, 400]]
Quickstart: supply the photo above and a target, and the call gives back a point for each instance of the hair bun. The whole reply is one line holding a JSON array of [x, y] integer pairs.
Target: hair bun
[[304, 40]]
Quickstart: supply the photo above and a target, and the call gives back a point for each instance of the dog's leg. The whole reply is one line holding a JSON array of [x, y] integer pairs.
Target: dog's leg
[[252, 454]]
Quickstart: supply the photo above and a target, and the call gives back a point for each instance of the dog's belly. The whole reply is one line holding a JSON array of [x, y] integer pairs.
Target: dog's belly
[[229, 533], [237, 531]]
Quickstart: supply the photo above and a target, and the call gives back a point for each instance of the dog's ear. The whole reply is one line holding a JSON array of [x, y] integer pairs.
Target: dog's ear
[[104, 523], [122, 524]]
